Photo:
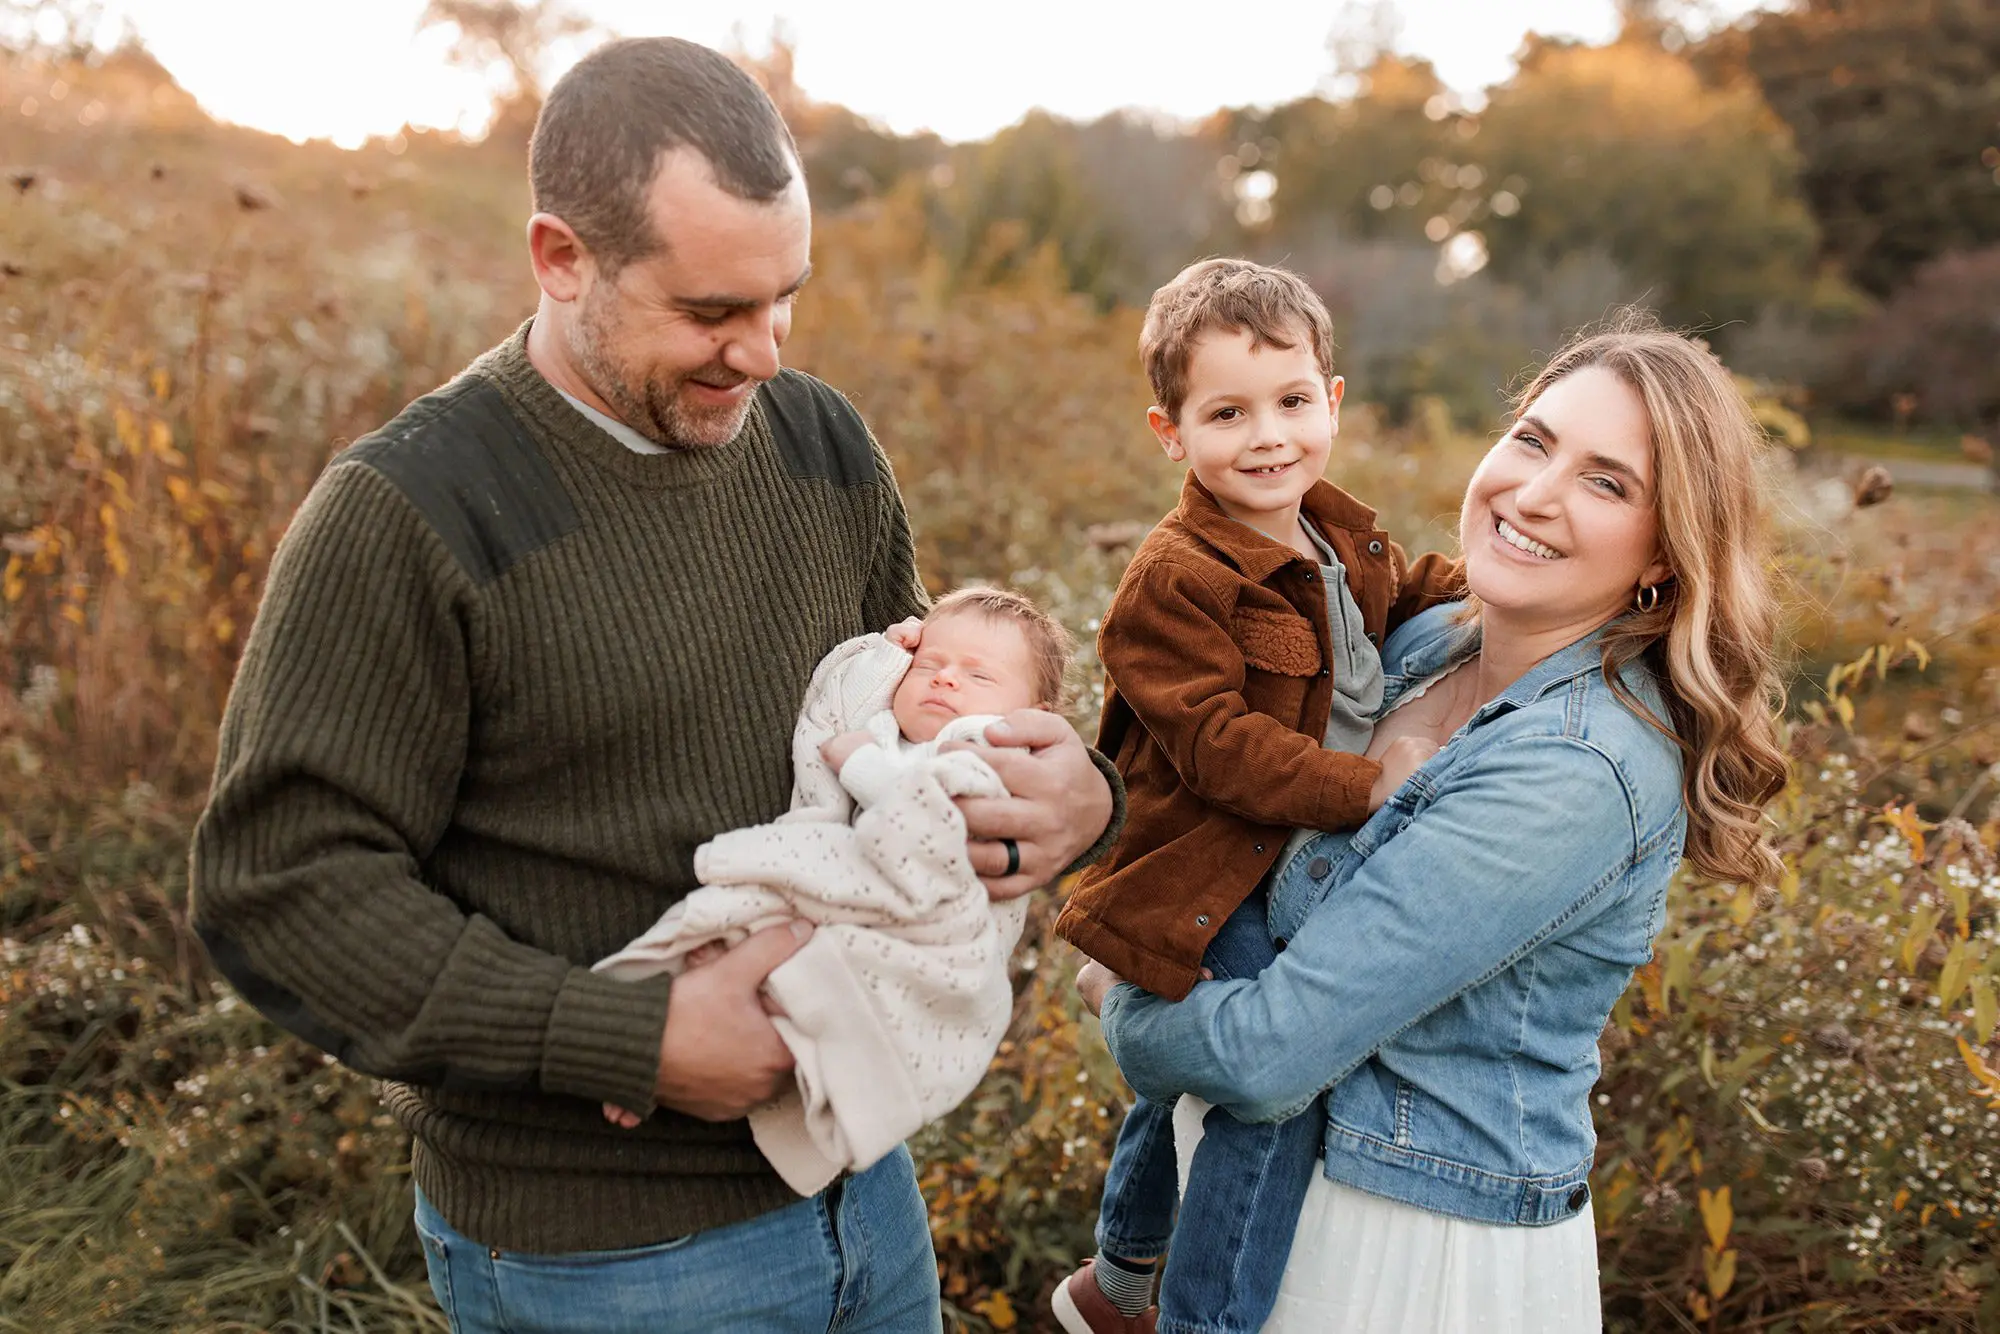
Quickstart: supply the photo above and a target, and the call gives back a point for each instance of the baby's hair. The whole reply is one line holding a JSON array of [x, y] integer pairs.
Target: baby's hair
[[1050, 646], [1274, 306]]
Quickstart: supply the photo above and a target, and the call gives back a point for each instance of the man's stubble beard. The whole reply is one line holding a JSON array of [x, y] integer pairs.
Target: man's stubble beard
[[648, 404]]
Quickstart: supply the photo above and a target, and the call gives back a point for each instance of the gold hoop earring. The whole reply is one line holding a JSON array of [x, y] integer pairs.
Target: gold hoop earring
[[1647, 598]]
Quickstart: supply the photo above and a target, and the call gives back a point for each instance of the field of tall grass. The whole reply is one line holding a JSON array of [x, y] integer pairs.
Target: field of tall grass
[[1800, 1117]]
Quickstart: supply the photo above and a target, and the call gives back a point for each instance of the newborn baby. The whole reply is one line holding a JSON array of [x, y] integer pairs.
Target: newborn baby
[[893, 1008]]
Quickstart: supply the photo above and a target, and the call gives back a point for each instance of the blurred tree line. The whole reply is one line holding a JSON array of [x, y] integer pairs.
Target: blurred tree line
[[1817, 187]]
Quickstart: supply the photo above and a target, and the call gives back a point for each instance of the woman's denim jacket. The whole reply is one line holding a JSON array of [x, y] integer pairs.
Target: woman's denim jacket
[[1444, 977]]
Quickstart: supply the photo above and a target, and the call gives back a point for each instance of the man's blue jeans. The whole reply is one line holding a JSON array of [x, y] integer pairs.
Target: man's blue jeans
[[856, 1257], [1244, 1190]]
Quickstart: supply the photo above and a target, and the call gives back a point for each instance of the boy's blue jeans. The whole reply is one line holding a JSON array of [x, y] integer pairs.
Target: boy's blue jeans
[[855, 1257], [1244, 1190]]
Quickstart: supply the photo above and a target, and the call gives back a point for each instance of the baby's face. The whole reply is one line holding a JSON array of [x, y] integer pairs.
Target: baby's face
[[966, 663]]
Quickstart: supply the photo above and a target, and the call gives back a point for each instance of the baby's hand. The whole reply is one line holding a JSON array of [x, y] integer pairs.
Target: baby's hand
[[618, 1116], [705, 953], [906, 634], [836, 750], [1401, 758]]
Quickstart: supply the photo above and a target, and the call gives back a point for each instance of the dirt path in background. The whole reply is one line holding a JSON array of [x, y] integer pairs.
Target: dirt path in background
[[1920, 472]]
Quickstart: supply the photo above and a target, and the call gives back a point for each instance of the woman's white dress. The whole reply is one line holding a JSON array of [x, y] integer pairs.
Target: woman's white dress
[[1362, 1264]]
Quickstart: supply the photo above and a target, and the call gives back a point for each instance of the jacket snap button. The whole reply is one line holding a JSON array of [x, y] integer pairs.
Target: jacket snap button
[[1579, 1197], [1326, 671], [1374, 638], [1279, 944], [492, 1255], [1309, 576], [1318, 867], [1375, 547], [1259, 848], [1201, 920]]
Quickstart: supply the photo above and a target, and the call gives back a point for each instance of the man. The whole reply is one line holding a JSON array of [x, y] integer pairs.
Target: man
[[522, 651]]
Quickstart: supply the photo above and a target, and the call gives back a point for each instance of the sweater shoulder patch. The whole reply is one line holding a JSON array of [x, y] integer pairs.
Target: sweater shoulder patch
[[470, 467], [818, 432]]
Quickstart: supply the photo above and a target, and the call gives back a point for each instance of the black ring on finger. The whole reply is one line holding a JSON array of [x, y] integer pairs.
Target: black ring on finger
[[1013, 856]]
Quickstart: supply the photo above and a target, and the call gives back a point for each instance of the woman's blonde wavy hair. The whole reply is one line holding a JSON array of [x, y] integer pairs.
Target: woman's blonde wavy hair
[[1709, 638]]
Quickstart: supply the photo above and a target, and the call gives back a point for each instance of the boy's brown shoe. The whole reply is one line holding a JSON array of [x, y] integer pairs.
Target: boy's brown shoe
[[1082, 1308]]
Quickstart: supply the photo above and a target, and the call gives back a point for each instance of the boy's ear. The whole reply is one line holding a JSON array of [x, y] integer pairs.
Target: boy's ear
[[1168, 433], [1336, 389]]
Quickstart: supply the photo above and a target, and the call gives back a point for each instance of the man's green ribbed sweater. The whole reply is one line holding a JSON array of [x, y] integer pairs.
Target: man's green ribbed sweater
[[507, 676]]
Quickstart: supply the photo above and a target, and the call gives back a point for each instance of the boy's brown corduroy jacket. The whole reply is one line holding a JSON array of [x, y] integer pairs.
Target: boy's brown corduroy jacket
[[1217, 655]]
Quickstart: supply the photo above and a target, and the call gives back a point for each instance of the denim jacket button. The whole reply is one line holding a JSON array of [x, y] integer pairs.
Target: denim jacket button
[[1279, 944], [1318, 867], [1579, 1197]]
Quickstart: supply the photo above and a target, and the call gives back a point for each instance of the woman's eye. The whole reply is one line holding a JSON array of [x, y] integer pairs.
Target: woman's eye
[[1608, 485], [1528, 441]]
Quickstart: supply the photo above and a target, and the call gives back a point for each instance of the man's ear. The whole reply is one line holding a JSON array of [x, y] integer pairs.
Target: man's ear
[[1168, 433], [563, 265], [1336, 389]]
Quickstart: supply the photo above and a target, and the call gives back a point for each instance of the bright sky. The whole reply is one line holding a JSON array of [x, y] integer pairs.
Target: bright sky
[[357, 68]]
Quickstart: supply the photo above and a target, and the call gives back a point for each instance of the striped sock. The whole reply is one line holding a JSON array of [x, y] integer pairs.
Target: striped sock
[[1128, 1283]]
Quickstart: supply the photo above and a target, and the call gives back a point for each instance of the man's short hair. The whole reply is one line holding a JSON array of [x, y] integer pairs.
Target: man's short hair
[[606, 123], [1275, 306], [1050, 646]]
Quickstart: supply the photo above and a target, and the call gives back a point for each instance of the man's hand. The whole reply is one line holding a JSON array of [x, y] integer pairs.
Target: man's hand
[[719, 1055], [1060, 803], [835, 750], [1094, 982], [1400, 758]]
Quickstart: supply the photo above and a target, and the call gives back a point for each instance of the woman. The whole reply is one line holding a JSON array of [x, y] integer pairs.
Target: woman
[[1604, 703]]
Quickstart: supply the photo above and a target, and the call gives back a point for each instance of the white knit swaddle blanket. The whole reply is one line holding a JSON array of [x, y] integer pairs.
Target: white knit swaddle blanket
[[894, 1007]]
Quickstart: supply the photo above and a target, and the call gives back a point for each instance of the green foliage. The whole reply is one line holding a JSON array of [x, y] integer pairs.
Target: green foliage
[[1934, 345], [1895, 108], [1623, 148]]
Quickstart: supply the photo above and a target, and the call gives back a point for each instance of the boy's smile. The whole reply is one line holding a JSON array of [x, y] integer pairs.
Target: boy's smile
[[1256, 428]]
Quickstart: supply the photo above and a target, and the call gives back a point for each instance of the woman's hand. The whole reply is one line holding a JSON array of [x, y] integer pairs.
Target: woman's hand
[[1094, 982]]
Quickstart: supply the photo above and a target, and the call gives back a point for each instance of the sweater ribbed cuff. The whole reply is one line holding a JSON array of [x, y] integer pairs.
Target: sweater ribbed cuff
[[604, 1039], [1096, 851]]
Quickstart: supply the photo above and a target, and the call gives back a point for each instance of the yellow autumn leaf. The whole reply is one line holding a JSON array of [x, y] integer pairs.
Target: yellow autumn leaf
[[1952, 977], [1905, 821], [1989, 1081], [1721, 1273], [1985, 1010], [999, 1311], [162, 383], [1716, 1216], [1922, 923]]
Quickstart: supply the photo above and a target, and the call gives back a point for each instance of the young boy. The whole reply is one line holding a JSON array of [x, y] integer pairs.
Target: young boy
[[894, 1007], [1241, 652]]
